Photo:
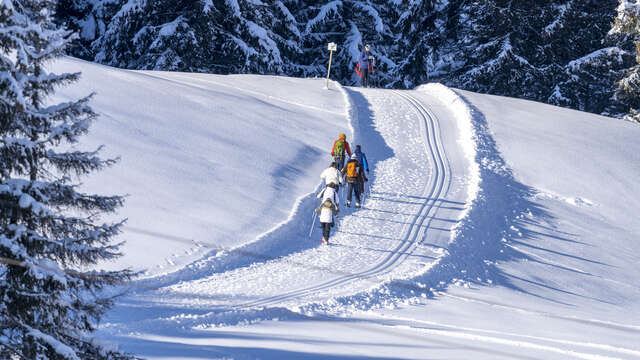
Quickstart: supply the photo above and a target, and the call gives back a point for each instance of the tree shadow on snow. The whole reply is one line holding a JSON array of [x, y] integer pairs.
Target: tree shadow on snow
[[199, 349], [499, 217], [365, 133]]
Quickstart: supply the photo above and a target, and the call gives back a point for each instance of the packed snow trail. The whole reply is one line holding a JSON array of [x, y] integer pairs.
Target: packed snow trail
[[397, 233], [417, 195], [436, 186]]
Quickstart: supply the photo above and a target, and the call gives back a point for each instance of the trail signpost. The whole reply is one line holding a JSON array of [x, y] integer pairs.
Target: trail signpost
[[331, 47]]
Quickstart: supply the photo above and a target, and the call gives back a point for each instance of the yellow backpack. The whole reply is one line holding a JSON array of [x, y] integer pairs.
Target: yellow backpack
[[339, 148], [327, 204]]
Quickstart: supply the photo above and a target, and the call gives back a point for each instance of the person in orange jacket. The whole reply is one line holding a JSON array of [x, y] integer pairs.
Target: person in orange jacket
[[340, 147]]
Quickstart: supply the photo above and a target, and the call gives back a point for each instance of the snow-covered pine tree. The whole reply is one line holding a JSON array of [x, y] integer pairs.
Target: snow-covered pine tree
[[554, 51], [253, 36], [584, 63], [421, 30], [90, 19], [587, 83], [77, 16], [231, 36], [324, 22], [628, 23], [47, 226], [160, 35], [503, 48]]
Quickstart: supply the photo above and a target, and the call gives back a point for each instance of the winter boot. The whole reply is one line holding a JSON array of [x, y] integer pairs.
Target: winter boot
[[324, 242], [348, 203]]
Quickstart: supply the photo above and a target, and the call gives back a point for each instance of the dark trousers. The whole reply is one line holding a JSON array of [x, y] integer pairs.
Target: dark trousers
[[361, 182], [339, 160], [364, 82], [326, 230], [353, 187]]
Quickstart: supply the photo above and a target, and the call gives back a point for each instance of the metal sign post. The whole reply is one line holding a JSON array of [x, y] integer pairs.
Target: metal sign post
[[331, 47]]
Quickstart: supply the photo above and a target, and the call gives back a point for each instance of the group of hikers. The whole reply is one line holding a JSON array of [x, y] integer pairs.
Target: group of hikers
[[350, 174]]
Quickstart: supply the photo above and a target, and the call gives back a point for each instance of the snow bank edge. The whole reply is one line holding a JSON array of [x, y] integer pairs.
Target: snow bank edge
[[466, 136]]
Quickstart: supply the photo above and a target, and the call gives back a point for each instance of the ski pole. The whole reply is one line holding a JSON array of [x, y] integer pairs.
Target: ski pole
[[344, 188], [364, 193], [313, 223], [368, 190]]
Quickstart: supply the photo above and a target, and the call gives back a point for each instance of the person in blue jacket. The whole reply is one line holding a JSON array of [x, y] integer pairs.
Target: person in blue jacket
[[362, 158], [364, 166], [366, 65]]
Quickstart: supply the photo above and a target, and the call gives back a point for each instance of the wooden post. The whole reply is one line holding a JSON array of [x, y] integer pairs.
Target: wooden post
[[331, 47], [329, 69]]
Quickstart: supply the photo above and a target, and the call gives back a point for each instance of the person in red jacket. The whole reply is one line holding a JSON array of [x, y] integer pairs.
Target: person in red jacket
[[340, 147]]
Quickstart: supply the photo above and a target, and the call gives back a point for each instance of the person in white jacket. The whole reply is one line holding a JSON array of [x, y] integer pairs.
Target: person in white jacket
[[328, 210], [330, 192], [332, 175]]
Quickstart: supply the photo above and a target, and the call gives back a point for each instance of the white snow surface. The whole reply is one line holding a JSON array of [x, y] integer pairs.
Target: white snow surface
[[494, 228], [206, 161]]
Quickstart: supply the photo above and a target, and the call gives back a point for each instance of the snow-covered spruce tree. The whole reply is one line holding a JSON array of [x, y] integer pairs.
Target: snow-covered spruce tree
[[587, 83], [231, 36], [502, 45], [585, 63], [552, 51], [252, 36], [421, 29], [77, 16], [628, 23], [323, 22], [89, 19], [47, 226], [160, 35]]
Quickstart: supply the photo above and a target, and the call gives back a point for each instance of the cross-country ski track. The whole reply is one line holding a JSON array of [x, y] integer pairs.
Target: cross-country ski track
[[414, 232], [415, 200], [475, 241], [402, 229]]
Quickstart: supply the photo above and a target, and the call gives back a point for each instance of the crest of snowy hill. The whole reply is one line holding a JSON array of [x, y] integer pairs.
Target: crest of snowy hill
[[561, 52]]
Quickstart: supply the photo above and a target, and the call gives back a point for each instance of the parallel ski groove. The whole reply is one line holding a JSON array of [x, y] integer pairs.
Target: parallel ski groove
[[436, 185], [432, 122]]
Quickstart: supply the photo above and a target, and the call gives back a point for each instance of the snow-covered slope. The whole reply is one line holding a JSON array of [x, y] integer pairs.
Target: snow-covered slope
[[494, 228], [207, 161]]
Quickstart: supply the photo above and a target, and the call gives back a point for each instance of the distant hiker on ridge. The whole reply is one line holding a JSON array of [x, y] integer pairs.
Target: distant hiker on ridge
[[340, 146], [365, 66]]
